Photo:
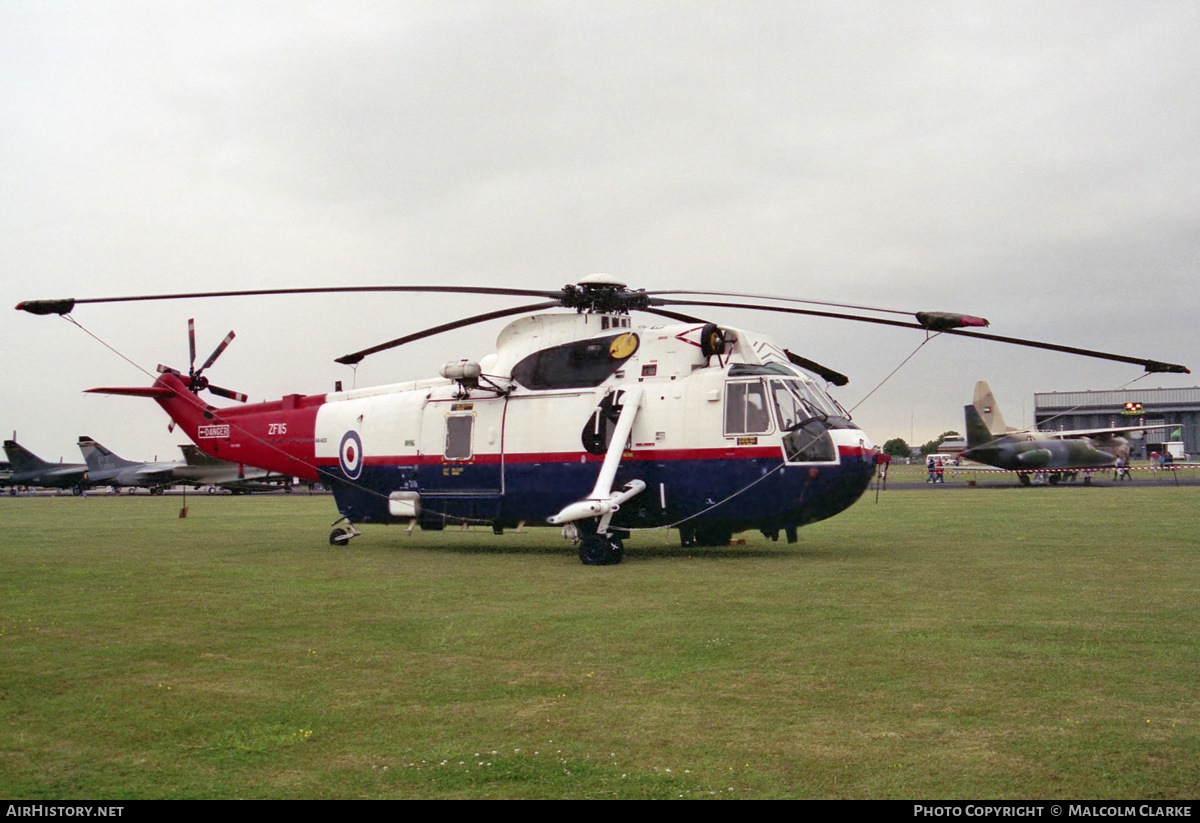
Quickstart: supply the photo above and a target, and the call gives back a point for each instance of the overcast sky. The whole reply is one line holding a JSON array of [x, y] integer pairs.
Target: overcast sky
[[1036, 163]]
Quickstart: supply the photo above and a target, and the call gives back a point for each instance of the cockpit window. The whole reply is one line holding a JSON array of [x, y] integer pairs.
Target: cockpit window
[[798, 400], [805, 417], [578, 365], [790, 406], [818, 399], [814, 396]]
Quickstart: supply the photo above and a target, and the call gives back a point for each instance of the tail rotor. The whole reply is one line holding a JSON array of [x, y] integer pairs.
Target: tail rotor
[[197, 382]]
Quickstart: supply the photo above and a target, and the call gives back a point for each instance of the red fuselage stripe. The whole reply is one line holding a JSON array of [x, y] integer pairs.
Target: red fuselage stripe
[[643, 455]]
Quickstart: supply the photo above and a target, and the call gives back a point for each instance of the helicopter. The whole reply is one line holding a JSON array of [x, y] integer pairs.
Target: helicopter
[[580, 419]]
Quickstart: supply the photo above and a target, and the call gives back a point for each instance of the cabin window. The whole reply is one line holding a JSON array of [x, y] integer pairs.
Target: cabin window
[[459, 430], [746, 410]]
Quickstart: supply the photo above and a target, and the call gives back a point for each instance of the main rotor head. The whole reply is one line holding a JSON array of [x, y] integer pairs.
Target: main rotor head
[[603, 294]]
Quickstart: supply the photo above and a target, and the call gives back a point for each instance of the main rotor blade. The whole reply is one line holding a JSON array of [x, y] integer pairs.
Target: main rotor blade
[[355, 357], [1153, 366], [780, 299], [636, 301], [834, 377], [674, 315], [65, 305]]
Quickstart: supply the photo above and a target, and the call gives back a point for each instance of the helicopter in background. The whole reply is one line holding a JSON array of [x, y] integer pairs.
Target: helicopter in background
[[581, 419]]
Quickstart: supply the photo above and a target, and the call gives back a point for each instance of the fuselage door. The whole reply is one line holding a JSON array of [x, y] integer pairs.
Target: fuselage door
[[802, 422], [461, 464]]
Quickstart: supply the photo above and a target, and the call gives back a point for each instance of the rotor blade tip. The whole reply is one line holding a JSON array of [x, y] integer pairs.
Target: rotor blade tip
[[62, 306], [228, 393], [1154, 367], [943, 321]]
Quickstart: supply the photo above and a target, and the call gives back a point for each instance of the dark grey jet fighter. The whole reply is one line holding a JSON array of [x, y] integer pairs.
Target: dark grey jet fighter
[[108, 469], [30, 470]]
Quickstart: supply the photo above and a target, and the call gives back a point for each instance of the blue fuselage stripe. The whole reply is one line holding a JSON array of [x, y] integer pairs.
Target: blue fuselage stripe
[[748, 492]]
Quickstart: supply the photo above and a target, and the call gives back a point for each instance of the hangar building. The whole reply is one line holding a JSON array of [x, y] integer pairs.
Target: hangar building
[[1179, 408]]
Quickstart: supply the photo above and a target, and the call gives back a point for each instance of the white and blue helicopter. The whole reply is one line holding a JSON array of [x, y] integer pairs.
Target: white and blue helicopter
[[581, 420]]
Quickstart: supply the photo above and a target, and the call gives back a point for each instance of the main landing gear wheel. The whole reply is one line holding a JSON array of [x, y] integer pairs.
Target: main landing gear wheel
[[343, 535], [599, 550]]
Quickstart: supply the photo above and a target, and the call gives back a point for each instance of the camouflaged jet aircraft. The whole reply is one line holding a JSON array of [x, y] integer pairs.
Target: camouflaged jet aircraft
[[1028, 451]]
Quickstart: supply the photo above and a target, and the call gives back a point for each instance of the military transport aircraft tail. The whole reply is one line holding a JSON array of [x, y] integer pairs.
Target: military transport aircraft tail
[[989, 410], [984, 421]]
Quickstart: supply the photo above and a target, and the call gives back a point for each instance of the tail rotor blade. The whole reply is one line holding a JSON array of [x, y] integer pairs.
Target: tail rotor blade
[[232, 395], [212, 358], [191, 345]]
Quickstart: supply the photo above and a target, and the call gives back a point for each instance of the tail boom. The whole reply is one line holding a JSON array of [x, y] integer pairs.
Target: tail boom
[[277, 436]]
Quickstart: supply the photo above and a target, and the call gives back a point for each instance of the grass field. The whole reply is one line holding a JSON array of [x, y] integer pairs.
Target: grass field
[[949, 643]]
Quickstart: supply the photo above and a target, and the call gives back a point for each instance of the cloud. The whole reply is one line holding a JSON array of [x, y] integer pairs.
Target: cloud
[[1034, 163]]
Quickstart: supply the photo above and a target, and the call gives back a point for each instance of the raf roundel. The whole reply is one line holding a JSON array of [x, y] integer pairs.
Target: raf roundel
[[351, 455]]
